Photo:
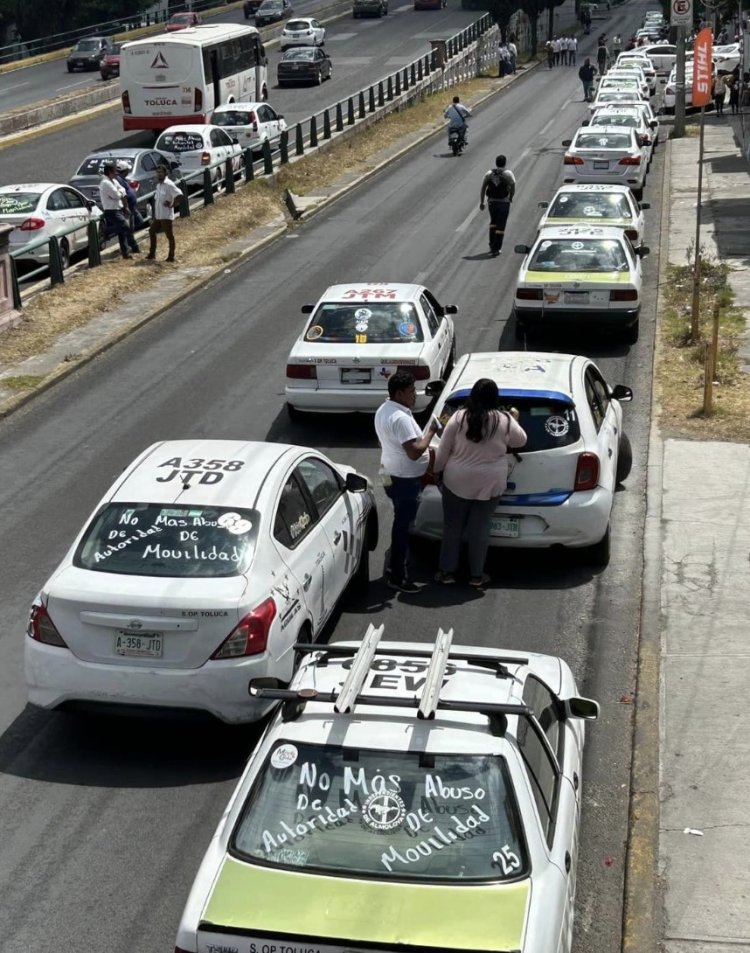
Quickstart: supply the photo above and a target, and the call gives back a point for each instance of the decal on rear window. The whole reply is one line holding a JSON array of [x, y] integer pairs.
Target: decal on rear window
[[314, 332]]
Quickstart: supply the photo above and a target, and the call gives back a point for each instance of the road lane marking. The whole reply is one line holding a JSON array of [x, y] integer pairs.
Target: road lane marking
[[467, 221], [14, 86], [339, 37], [420, 277], [81, 82]]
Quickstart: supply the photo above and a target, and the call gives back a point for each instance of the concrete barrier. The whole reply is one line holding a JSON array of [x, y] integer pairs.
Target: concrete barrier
[[38, 113]]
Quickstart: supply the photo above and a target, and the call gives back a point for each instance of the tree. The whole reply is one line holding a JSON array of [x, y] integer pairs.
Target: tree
[[41, 19]]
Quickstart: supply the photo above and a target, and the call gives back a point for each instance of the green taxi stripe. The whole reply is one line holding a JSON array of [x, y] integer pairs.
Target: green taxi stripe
[[597, 277], [588, 220], [488, 917]]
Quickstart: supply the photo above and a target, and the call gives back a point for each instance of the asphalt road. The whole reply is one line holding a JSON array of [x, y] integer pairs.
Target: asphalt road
[[45, 81], [103, 822], [362, 52]]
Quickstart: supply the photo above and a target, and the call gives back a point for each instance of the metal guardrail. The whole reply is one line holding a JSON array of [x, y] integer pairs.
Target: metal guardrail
[[21, 50], [465, 54]]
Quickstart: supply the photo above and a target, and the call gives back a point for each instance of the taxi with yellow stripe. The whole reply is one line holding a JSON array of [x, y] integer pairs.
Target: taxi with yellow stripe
[[597, 204], [405, 797], [579, 276]]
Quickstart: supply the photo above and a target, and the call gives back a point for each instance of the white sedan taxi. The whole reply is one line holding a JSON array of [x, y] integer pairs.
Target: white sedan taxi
[[405, 797], [305, 31], [626, 117], [609, 205], [200, 568], [580, 276], [250, 123], [357, 336], [199, 147], [609, 154], [561, 486]]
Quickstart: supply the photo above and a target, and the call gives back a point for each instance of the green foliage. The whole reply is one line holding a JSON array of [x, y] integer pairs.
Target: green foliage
[[36, 19]]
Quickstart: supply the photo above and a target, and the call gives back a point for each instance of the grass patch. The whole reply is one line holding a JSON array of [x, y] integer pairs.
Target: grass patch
[[680, 365], [21, 382], [202, 238]]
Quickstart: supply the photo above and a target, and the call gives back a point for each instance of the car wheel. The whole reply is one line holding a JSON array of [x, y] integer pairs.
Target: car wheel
[[102, 234], [65, 253], [305, 637], [70, 69], [638, 194], [631, 333], [296, 416], [330, 72], [598, 554], [520, 330], [319, 78], [451, 362], [360, 581], [624, 458]]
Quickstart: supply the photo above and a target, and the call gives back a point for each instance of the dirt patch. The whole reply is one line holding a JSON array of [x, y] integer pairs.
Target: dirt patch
[[681, 362], [202, 238]]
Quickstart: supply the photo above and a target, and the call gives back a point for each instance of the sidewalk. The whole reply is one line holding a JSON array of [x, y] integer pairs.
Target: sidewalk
[[702, 511]]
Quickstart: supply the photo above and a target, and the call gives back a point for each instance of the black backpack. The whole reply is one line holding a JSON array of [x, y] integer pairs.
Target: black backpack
[[497, 186]]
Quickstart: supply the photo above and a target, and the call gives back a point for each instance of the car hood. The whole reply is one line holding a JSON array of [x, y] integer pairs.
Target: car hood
[[488, 917]]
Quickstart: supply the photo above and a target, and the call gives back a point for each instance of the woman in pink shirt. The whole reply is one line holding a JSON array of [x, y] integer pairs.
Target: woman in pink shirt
[[473, 461]]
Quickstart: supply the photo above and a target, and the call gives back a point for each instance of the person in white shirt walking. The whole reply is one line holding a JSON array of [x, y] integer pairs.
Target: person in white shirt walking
[[114, 203], [404, 462], [166, 199]]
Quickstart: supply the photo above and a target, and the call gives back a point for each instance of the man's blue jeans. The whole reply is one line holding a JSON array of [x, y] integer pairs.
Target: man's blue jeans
[[404, 493]]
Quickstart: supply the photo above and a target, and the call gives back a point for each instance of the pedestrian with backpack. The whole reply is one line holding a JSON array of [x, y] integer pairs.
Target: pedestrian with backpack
[[498, 188]]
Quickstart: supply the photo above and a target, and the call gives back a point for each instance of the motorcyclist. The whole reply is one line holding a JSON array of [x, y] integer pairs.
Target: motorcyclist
[[457, 114]]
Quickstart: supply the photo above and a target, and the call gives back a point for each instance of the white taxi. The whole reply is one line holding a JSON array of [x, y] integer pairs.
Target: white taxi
[[250, 123], [357, 336], [580, 276], [610, 205], [607, 154], [561, 487], [404, 798], [199, 569]]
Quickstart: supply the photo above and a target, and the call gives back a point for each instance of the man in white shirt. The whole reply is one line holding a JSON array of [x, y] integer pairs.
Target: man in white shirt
[[404, 461], [572, 49], [166, 199], [114, 202]]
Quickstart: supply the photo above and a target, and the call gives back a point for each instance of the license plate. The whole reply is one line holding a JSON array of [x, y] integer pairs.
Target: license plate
[[142, 645], [505, 526], [601, 165], [576, 297], [356, 375]]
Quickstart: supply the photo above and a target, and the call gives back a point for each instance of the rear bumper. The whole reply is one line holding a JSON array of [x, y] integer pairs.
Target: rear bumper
[[55, 677], [559, 317], [347, 401], [580, 521]]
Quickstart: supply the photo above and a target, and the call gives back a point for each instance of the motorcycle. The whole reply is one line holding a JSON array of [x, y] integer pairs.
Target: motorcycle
[[457, 141]]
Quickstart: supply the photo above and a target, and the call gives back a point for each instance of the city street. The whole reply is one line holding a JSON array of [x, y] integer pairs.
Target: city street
[[102, 821]]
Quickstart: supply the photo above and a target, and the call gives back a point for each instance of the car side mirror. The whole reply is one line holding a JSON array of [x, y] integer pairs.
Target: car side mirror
[[279, 115], [307, 308], [566, 142], [643, 250], [622, 393], [175, 164], [644, 205], [264, 681], [450, 309], [653, 124], [434, 388], [586, 122], [235, 140], [542, 204], [521, 249], [90, 204], [585, 708], [356, 483]]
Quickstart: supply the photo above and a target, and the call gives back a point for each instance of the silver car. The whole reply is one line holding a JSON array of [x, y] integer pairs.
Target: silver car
[[141, 175]]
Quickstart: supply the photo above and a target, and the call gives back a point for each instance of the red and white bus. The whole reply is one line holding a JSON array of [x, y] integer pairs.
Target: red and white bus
[[180, 77]]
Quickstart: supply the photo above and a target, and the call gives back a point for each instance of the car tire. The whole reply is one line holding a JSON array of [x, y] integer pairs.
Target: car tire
[[102, 234], [624, 458], [70, 69], [451, 362], [521, 331], [360, 581], [598, 554], [631, 333], [319, 78], [638, 194], [65, 253]]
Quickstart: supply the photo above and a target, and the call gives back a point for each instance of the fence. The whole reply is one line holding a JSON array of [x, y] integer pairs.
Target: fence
[[464, 55]]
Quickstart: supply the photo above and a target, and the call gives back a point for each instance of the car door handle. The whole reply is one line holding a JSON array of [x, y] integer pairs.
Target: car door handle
[[336, 537], [306, 581], [576, 781], [568, 862]]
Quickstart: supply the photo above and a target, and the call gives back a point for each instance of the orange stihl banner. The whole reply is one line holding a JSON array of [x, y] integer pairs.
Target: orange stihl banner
[[702, 67]]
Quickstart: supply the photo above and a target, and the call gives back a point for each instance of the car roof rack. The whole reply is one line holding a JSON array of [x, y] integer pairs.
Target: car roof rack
[[427, 702]]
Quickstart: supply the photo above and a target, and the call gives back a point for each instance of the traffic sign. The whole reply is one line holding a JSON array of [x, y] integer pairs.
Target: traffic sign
[[682, 13]]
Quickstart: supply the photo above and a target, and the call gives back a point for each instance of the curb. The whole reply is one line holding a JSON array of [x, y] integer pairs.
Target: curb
[[11, 404], [641, 916]]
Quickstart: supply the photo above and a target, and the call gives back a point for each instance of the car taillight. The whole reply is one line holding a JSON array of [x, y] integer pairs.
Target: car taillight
[[529, 294], [205, 158], [572, 160], [623, 294], [250, 637], [632, 234], [421, 372], [630, 160], [134, 185], [32, 224], [587, 471], [126, 102], [198, 101], [302, 372], [42, 628]]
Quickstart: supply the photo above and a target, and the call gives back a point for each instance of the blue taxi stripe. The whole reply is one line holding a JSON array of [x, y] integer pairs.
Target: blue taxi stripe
[[547, 498], [506, 392]]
